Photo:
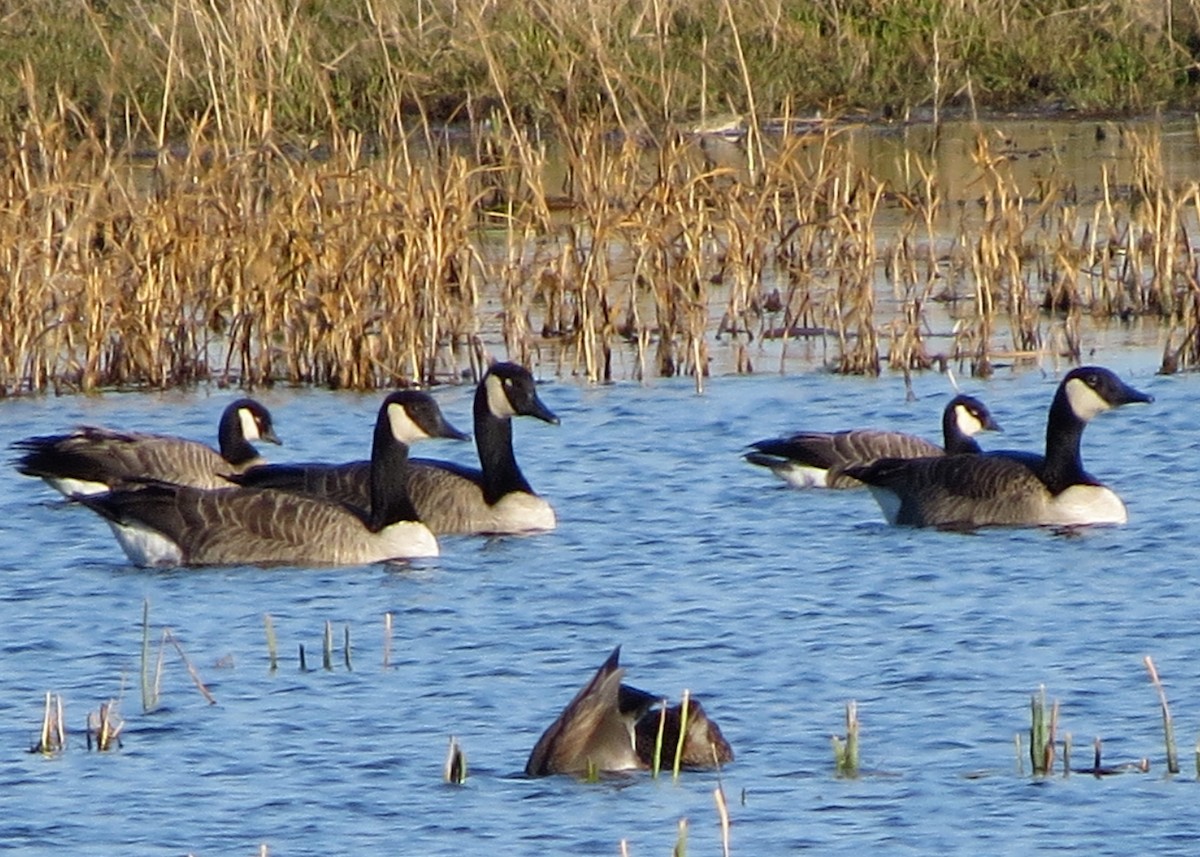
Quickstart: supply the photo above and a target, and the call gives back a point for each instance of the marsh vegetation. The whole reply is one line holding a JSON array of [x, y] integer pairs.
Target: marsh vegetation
[[359, 197]]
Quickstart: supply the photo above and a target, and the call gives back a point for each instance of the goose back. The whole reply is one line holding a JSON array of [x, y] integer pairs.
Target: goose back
[[92, 459]]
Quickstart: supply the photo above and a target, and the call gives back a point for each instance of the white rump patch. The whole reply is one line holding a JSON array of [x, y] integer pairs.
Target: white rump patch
[[1087, 504], [249, 424], [75, 487], [889, 502], [146, 547], [968, 423], [1085, 401], [497, 398], [801, 476]]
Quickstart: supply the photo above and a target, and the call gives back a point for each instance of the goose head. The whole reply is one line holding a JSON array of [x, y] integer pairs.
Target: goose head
[[970, 416], [1090, 390], [243, 422], [404, 418], [411, 415], [508, 390]]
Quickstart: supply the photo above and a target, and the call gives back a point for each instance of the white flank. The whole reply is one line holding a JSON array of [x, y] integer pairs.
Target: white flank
[[518, 512], [888, 500], [146, 547]]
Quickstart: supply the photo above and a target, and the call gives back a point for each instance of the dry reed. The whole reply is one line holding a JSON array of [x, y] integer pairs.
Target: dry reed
[[395, 258]]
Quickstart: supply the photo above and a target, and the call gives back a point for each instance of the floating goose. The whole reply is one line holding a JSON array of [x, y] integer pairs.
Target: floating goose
[[611, 727], [90, 460], [1011, 488], [449, 498], [819, 459], [164, 524]]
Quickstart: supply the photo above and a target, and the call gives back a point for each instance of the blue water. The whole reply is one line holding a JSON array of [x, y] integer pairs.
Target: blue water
[[772, 606]]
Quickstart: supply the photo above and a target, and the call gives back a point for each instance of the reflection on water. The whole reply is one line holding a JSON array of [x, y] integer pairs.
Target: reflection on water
[[773, 606]]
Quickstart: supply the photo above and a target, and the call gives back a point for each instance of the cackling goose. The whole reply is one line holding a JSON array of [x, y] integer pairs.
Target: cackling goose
[[819, 459], [90, 460]]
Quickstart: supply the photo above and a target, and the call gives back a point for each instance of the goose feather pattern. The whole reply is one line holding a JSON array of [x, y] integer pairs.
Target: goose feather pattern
[[449, 498], [92, 459], [820, 459], [1011, 488], [165, 524]]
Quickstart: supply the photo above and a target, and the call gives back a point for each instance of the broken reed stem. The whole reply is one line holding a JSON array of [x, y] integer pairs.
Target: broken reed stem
[[723, 814], [327, 646], [845, 751], [683, 720], [680, 849], [53, 735], [303, 663], [149, 700], [656, 767], [106, 726], [272, 642], [1168, 727], [346, 646], [387, 640], [455, 769], [1041, 733], [212, 700]]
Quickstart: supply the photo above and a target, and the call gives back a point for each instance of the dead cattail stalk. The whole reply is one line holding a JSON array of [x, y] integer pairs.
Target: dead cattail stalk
[[1168, 727]]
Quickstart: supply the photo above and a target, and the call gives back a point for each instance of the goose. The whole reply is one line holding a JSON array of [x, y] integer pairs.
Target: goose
[[612, 727], [90, 459], [1011, 488], [449, 498], [161, 524], [819, 459]]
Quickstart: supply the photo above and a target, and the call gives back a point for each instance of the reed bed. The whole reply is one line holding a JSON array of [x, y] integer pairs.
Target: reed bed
[[375, 263]]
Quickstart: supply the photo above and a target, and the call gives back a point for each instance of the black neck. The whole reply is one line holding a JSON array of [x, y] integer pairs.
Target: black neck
[[234, 447], [389, 492], [493, 439], [953, 438], [1064, 460]]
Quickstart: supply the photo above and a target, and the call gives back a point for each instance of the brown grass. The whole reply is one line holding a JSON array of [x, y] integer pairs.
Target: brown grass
[[374, 262]]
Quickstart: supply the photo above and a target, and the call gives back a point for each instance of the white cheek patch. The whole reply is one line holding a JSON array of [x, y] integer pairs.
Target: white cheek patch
[[497, 399], [404, 428], [968, 423], [249, 424], [1085, 401]]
